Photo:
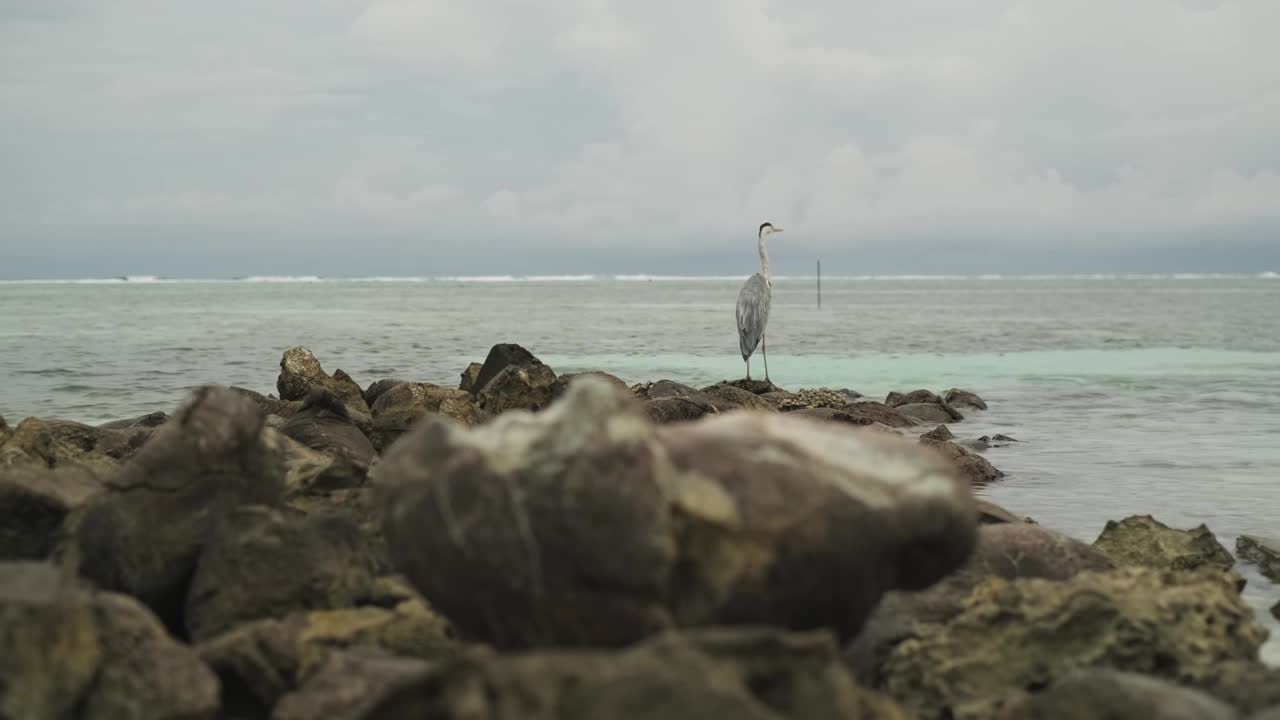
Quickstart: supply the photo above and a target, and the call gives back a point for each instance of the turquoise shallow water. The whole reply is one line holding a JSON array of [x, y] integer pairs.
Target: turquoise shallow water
[[1128, 395]]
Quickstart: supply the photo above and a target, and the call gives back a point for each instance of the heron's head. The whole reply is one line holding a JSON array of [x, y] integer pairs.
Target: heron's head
[[767, 229]]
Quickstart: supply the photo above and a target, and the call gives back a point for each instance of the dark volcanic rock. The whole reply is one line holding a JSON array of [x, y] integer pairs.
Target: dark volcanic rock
[[587, 525], [144, 535], [671, 402], [468, 380], [1264, 552], [897, 399], [150, 420], [300, 371], [930, 412], [663, 389], [990, 513], [939, 434], [375, 391], [501, 357], [878, 412], [971, 466], [263, 660], [327, 425], [1013, 635], [518, 387], [55, 443], [71, 651], [34, 504], [755, 387], [728, 397], [963, 398], [682, 408], [401, 407], [1143, 541], [270, 405], [261, 564], [1095, 694], [349, 684], [748, 674]]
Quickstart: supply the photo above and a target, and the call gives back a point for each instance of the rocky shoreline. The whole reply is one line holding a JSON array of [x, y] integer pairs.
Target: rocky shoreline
[[537, 545]]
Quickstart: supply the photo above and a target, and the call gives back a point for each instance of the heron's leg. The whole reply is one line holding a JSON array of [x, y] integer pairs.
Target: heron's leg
[[764, 351], [748, 368]]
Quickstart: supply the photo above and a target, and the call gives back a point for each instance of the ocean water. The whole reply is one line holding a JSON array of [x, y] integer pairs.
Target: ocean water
[[1128, 394]]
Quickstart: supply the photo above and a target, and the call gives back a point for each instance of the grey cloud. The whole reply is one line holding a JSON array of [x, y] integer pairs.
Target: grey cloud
[[647, 136]]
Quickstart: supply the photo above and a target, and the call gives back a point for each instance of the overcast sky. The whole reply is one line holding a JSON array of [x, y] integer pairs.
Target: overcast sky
[[419, 137]]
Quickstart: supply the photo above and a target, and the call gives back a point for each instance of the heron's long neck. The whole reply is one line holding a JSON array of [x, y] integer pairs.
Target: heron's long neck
[[764, 257]]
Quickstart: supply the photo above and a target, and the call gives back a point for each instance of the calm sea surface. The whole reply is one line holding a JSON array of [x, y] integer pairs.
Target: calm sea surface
[[1155, 395]]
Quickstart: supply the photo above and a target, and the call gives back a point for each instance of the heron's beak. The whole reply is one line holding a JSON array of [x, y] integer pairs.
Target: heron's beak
[[777, 229]]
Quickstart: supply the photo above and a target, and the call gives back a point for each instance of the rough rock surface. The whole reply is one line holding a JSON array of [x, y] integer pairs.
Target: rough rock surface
[[55, 443], [261, 661], [260, 563], [150, 420], [930, 412], [468, 380], [144, 535], [755, 387], [401, 407], [1141, 540], [586, 524], [814, 398], [327, 425], [73, 652], [1009, 551], [349, 683], [747, 674], [964, 398], [990, 513], [375, 391], [1096, 694], [971, 466], [300, 371], [1263, 552], [942, 433], [914, 397], [518, 387], [271, 406], [34, 505], [501, 357], [1019, 634], [562, 381]]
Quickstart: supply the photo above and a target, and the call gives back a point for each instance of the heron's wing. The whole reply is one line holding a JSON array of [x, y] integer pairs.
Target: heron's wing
[[753, 313]]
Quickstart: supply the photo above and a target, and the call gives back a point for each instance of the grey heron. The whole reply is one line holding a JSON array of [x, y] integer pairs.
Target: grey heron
[[753, 305]]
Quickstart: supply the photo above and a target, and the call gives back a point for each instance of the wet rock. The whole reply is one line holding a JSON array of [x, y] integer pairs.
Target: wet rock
[[71, 651], [349, 683], [671, 402], [929, 412], [588, 525], [562, 382], [1021, 634], [1096, 694], [261, 564], [1263, 552], [1009, 551], [964, 398], [261, 661], [150, 420], [728, 397], [34, 505], [990, 513], [939, 434], [501, 357], [300, 371], [1141, 540], [751, 674], [523, 387], [663, 389], [55, 443], [327, 425], [375, 391], [971, 466], [897, 399], [755, 387], [403, 406], [144, 535], [684, 408], [878, 412], [468, 381]]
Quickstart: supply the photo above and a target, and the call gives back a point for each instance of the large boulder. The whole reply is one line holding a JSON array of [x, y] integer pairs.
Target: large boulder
[[261, 661], [725, 393], [73, 652], [260, 563], [300, 371], [914, 397], [1013, 635], [500, 357], [375, 391], [401, 407], [586, 524], [964, 398], [1261, 551], [518, 387], [144, 535], [747, 674], [930, 412], [34, 505], [468, 380], [1143, 541], [328, 425], [1095, 694], [562, 381], [55, 443]]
